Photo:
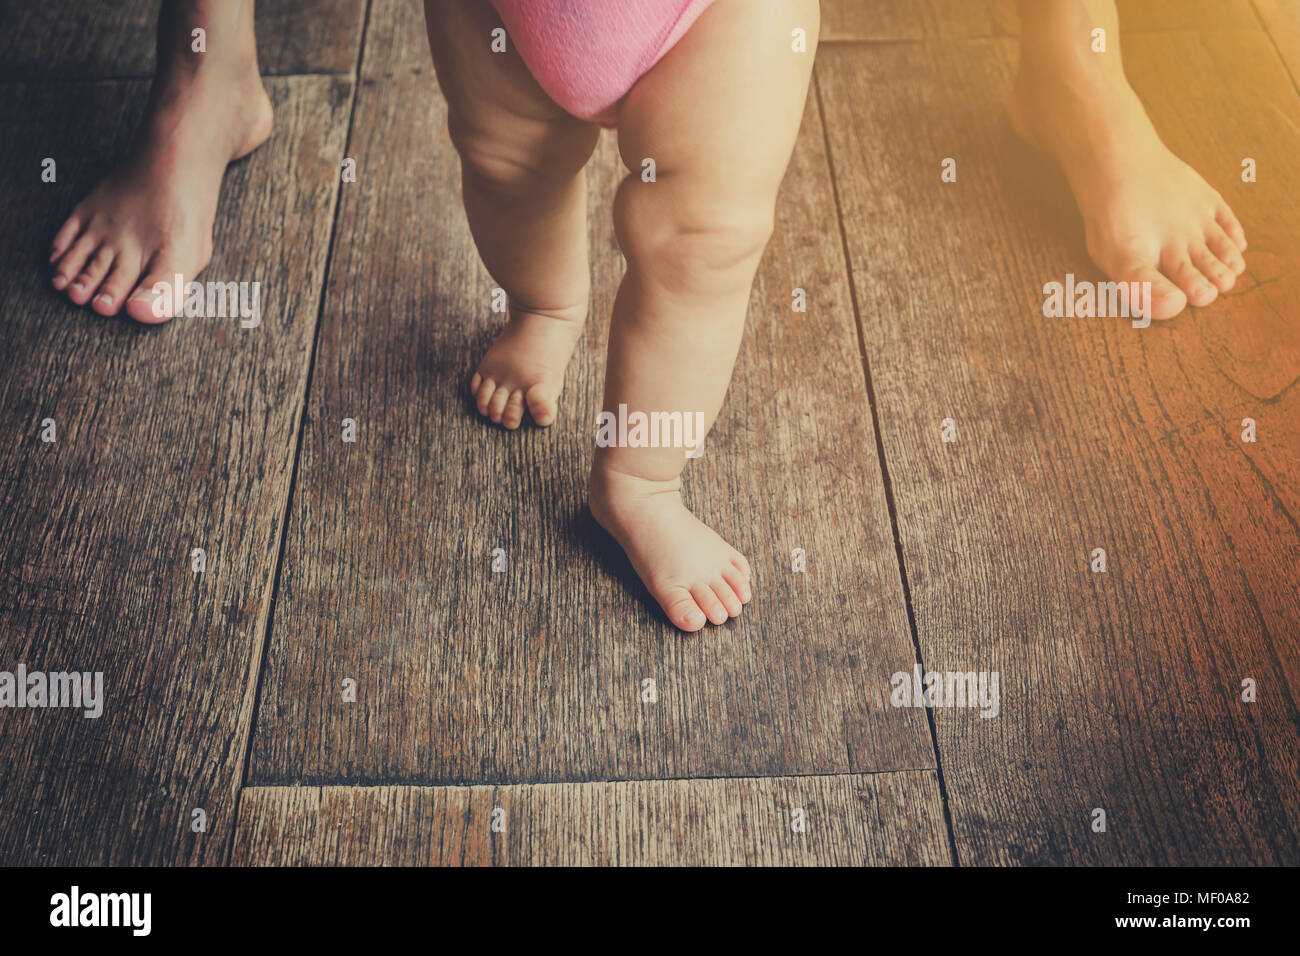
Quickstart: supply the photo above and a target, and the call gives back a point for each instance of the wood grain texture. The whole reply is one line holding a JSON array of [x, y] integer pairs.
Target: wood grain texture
[[71, 39], [887, 819], [1206, 16], [169, 438], [534, 675], [1282, 20], [1119, 690], [396, 39], [922, 19], [889, 20]]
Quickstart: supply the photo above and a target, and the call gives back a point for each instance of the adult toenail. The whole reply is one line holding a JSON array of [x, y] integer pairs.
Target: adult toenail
[[60, 282], [105, 298]]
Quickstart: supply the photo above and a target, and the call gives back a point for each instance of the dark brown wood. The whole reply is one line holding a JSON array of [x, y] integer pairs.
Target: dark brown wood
[[887, 819], [1121, 690], [919, 19], [535, 674], [168, 439], [77, 40]]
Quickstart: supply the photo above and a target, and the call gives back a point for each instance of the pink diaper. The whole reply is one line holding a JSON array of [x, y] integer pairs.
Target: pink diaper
[[586, 54]]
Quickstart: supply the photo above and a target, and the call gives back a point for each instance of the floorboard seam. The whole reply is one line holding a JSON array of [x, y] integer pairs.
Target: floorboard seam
[[32, 79], [344, 785], [884, 466], [961, 38], [1272, 41], [241, 776]]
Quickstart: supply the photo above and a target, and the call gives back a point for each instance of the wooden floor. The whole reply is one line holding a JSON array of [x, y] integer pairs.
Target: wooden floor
[[499, 718]]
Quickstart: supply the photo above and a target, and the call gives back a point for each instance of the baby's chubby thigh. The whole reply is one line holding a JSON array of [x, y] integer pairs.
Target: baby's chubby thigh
[[707, 134]]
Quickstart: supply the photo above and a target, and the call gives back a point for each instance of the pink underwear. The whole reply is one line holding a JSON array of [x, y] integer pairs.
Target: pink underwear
[[586, 54]]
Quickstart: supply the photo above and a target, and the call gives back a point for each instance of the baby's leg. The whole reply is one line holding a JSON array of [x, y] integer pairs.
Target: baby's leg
[[522, 160], [719, 115], [1149, 216]]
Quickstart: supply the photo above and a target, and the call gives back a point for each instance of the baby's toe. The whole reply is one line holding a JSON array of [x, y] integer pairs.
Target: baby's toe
[[486, 389], [513, 416], [542, 400], [730, 600], [497, 404], [739, 583], [738, 561], [709, 603], [681, 609]]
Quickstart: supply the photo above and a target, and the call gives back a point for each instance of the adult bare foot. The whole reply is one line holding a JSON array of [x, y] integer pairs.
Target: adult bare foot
[[1148, 216], [151, 218]]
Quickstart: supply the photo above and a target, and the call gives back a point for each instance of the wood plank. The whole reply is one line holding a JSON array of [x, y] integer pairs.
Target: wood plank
[[887, 20], [168, 438], [396, 39], [1282, 20], [1119, 690], [921, 19], [534, 675], [872, 819], [67, 38], [1210, 16]]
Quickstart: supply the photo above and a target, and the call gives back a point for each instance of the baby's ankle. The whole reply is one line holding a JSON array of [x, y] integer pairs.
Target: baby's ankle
[[613, 494], [575, 314]]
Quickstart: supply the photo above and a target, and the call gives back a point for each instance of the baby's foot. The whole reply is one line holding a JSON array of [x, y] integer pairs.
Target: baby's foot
[[1149, 217], [151, 218], [525, 365], [693, 574]]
